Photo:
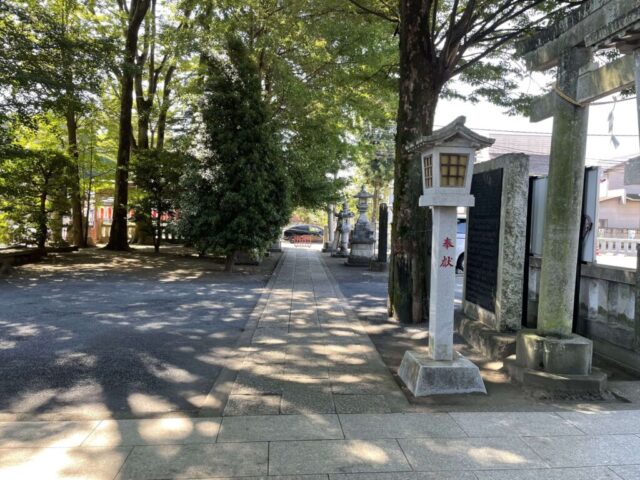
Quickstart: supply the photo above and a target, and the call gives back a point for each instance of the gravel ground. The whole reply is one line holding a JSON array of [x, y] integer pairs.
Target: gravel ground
[[95, 334]]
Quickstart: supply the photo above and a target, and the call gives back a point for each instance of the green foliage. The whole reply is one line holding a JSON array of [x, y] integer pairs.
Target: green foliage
[[157, 174], [237, 197], [52, 58], [376, 156], [33, 185], [323, 68]]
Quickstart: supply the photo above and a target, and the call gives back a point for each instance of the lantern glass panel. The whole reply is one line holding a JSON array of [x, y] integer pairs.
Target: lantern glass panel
[[453, 169], [428, 171]]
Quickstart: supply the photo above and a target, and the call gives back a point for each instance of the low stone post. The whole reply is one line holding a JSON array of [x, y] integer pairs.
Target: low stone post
[[329, 231]]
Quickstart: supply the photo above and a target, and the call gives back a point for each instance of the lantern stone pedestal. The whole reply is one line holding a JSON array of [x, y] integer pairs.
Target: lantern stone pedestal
[[362, 240], [425, 376], [447, 158]]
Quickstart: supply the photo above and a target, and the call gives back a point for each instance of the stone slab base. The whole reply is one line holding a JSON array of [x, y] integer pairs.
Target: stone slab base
[[564, 355], [424, 376], [376, 266], [595, 382], [353, 261], [493, 345]]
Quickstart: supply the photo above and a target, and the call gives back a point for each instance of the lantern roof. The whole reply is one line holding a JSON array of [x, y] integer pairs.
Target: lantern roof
[[363, 194], [454, 134]]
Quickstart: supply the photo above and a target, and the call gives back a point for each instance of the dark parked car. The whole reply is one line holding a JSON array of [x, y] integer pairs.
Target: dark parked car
[[300, 230]]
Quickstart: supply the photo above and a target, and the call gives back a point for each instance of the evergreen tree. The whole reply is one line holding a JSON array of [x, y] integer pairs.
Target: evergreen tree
[[238, 195], [157, 173], [32, 187]]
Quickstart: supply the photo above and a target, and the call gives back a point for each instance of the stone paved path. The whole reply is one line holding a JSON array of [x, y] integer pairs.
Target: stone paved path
[[308, 355], [313, 401]]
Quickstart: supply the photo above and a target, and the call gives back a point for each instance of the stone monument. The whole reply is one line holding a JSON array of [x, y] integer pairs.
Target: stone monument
[[447, 158], [344, 229], [362, 241]]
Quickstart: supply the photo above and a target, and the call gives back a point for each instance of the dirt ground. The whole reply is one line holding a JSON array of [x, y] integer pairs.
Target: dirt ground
[[366, 293]]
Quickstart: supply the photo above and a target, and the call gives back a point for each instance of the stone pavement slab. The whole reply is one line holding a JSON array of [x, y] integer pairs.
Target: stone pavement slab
[[627, 472], [282, 427], [179, 430], [61, 463], [587, 450], [431, 454], [499, 424], [196, 461], [400, 425], [45, 434], [361, 404], [588, 473], [604, 423], [238, 405], [336, 456], [406, 476]]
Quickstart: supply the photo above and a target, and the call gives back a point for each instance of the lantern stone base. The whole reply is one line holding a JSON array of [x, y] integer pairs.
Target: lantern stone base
[[340, 253], [276, 247], [424, 376], [361, 254]]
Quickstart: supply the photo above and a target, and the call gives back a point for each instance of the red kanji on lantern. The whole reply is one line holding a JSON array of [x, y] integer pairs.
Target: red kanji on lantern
[[446, 262], [448, 243]]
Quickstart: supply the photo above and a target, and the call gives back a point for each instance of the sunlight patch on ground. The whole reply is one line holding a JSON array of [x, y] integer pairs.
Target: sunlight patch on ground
[[492, 456], [367, 452]]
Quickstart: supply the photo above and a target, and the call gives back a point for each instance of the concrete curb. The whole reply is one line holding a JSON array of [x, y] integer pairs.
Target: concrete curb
[[216, 399]]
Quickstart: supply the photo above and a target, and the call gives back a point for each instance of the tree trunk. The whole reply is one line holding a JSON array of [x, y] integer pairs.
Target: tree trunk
[[42, 223], [420, 85], [164, 107], [230, 261], [158, 236], [77, 237], [118, 234]]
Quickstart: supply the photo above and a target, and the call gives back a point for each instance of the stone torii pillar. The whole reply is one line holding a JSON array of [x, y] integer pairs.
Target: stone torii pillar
[[568, 45], [564, 200]]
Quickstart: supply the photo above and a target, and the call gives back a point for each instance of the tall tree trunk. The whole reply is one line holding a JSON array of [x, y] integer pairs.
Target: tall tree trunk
[[76, 195], [118, 234], [164, 107], [42, 223], [420, 85], [230, 262], [158, 236]]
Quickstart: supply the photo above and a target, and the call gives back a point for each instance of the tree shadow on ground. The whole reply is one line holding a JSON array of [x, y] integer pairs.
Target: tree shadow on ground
[[96, 334]]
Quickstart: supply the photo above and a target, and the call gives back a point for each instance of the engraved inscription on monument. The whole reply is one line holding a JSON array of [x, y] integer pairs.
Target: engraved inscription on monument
[[483, 239]]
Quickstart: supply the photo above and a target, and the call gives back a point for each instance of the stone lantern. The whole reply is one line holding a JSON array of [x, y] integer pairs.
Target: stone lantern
[[447, 158], [362, 240]]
